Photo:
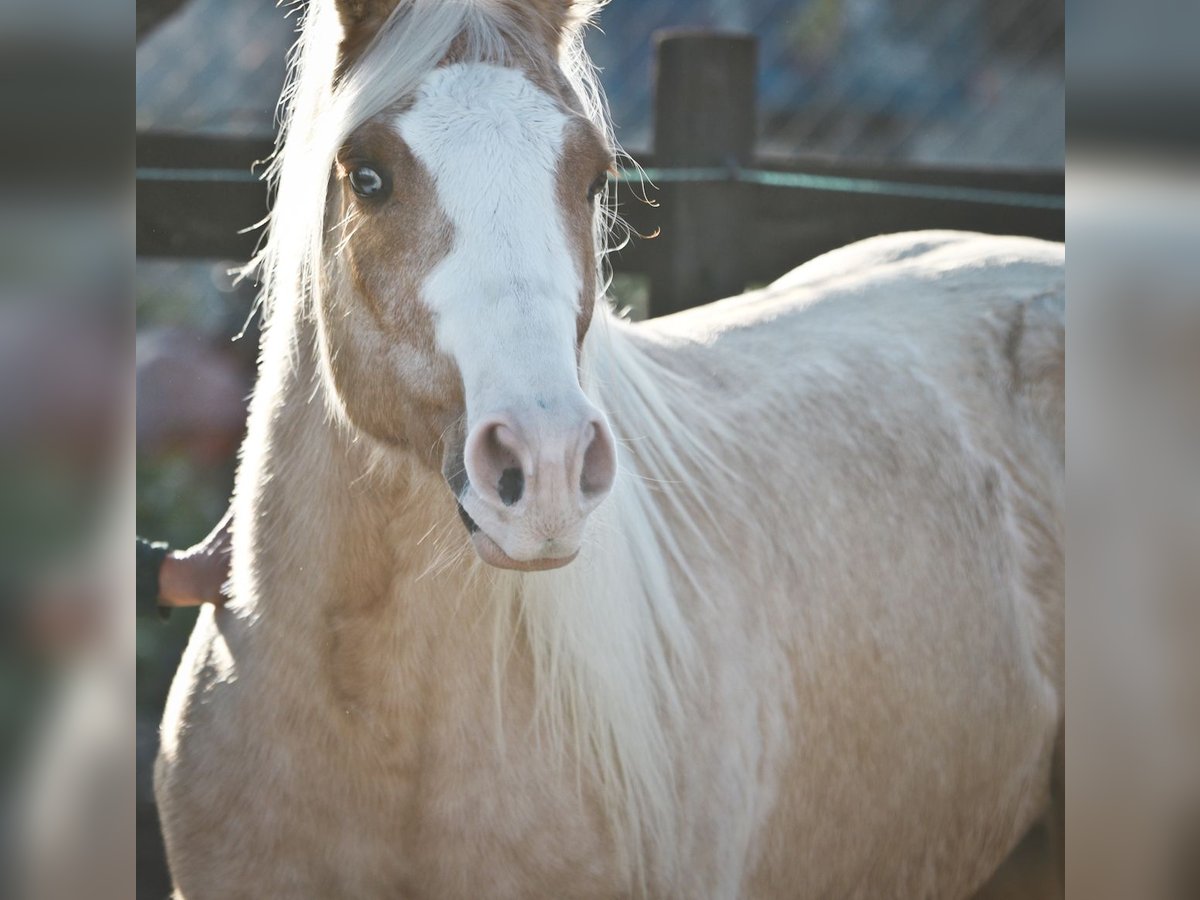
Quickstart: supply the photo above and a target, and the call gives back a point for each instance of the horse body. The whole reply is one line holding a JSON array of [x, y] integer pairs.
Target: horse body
[[867, 569]]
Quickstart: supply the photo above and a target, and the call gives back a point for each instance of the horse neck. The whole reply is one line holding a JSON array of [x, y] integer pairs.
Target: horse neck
[[341, 574], [326, 527]]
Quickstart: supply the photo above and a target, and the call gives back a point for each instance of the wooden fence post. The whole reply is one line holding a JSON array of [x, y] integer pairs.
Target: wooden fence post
[[704, 117]]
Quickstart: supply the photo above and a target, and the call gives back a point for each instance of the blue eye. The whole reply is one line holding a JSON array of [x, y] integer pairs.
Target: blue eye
[[368, 183], [597, 186]]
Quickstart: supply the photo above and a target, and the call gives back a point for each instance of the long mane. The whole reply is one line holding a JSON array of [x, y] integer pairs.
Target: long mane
[[609, 635]]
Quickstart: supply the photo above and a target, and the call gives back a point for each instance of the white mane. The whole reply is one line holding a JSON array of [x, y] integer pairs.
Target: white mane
[[609, 634]]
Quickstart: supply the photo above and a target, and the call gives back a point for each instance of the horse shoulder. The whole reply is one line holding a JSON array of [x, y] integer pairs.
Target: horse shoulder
[[201, 798]]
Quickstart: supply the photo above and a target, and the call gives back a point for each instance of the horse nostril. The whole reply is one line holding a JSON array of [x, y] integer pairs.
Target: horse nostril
[[599, 462], [511, 486], [496, 458]]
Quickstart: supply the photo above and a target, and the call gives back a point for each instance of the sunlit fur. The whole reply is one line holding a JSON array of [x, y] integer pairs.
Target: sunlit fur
[[710, 647], [609, 638]]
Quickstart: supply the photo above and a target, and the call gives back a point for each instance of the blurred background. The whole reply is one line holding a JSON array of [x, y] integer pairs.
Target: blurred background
[[66, 485], [1133, 438]]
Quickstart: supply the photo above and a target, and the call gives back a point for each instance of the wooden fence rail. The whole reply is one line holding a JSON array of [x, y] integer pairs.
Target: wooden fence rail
[[725, 217]]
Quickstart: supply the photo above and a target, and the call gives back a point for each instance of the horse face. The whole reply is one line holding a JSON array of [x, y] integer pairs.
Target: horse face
[[468, 284]]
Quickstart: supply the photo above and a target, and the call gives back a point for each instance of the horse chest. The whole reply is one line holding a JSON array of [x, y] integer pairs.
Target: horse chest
[[407, 786], [445, 823]]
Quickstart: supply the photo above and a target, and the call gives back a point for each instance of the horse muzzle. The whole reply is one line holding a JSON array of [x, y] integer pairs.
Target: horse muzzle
[[531, 481]]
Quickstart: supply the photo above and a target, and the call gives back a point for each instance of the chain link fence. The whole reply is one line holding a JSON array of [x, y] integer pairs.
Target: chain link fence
[[971, 82], [976, 82]]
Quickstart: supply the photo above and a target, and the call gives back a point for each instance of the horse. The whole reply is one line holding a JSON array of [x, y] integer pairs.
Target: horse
[[763, 599]]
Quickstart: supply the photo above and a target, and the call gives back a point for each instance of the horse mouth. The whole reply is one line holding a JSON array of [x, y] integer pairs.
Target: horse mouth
[[491, 553]]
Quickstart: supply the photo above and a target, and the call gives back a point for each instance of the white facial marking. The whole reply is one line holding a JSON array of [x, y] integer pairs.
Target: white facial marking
[[506, 296]]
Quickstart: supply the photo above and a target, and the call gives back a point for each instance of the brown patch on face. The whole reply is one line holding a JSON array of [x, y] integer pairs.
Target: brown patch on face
[[392, 380], [585, 158]]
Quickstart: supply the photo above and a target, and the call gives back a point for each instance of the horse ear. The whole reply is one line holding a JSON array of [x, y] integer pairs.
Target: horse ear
[[555, 19], [361, 21]]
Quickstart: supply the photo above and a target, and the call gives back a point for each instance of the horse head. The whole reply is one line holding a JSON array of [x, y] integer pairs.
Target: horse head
[[459, 278]]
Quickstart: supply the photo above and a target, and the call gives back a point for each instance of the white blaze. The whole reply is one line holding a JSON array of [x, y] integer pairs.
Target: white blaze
[[505, 298]]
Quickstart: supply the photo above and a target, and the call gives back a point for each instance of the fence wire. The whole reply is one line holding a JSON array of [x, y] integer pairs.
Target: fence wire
[[972, 82], [976, 82]]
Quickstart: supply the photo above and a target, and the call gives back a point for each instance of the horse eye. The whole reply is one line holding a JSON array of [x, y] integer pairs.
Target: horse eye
[[367, 183], [597, 186]]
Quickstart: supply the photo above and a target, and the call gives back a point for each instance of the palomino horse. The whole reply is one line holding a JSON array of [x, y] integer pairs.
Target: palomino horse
[[760, 600]]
